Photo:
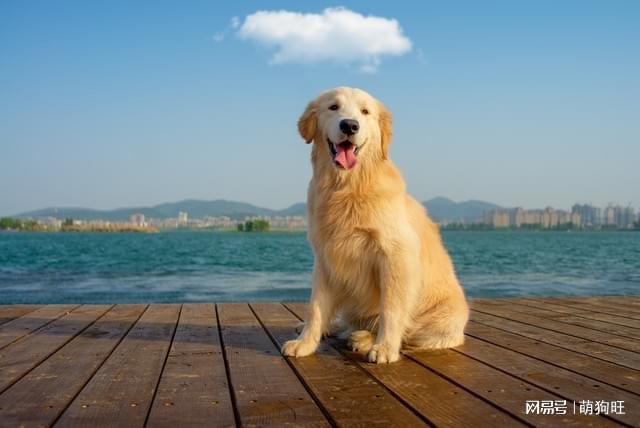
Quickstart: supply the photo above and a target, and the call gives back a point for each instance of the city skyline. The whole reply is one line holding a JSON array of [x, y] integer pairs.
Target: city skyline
[[581, 216], [279, 208], [588, 214], [104, 105]]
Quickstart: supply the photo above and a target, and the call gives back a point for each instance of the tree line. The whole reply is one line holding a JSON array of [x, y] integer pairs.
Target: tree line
[[254, 226], [8, 223]]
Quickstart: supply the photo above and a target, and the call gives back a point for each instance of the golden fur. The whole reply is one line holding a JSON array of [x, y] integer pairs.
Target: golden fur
[[381, 271]]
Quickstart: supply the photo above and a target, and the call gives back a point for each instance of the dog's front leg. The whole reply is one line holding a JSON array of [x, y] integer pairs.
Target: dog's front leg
[[321, 311], [397, 272]]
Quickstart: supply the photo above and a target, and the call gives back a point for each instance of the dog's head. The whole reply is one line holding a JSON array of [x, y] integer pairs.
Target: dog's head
[[348, 126]]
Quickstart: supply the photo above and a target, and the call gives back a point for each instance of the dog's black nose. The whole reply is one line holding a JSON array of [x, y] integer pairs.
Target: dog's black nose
[[349, 126]]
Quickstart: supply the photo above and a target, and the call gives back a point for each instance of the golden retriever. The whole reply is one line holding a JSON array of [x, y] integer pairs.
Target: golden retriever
[[381, 272]]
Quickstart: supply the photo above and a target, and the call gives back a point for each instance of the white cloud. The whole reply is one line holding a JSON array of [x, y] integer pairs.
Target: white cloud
[[218, 37], [337, 34], [235, 22]]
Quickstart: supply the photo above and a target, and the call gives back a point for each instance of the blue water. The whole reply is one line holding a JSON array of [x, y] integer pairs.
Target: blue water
[[205, 266]]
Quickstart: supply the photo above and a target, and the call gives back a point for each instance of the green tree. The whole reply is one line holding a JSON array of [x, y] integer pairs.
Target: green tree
[[68, 222], [254, 226], [10, 223], [260, 225]]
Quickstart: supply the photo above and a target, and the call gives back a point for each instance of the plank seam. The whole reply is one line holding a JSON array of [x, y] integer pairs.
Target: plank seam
[[561, 332], [553, 344], [324, 411], [612, 324], [72, 399], [635, 309], [164, 363], [395, 395], [551, 363], [26, 313], [552, 392], [232, 393], [17, 339], [597, 311], [54, 351]]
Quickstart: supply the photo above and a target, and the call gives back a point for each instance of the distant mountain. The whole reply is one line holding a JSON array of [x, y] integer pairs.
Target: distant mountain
[[441, 208], [195, 209], [296, 209]]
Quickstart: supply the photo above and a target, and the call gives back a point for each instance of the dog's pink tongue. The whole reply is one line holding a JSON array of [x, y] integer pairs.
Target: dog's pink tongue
[[346, 156]]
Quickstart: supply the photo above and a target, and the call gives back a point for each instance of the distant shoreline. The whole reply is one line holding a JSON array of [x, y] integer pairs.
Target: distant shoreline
[[291, 231]]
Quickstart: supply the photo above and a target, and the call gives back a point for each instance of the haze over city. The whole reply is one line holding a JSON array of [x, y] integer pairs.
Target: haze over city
[[112, 105]]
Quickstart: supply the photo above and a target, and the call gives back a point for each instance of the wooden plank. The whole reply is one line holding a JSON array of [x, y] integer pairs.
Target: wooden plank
[[569, 317], [564, 307], [30, 322], [603, 371], [565, 383], [532, 316], [10, 312], [632, 303], [41, 396], [607, 306], [266, 391], [593, 349], [349, 395], [429, 394], [629, 306], [20, 357], [193, 389], [504, 390], [121, 391]]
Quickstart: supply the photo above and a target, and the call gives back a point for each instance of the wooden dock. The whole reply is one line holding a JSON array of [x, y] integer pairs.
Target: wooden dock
[[219, 365]]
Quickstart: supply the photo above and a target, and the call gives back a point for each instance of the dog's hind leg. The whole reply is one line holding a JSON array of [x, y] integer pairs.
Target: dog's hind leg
[[439, 327]]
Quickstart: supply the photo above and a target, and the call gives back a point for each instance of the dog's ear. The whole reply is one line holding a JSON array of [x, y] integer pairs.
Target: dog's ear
[[308, 122], [385, 123]]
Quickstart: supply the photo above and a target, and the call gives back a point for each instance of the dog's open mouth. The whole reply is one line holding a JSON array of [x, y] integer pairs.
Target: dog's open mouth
[[344, 154]]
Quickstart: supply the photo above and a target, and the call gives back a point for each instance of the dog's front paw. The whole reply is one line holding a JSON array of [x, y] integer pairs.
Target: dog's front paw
[[299, 348], [361, 341], [381, 354]]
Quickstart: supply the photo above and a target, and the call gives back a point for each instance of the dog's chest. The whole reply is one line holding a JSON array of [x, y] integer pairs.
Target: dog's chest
[[347, 247]]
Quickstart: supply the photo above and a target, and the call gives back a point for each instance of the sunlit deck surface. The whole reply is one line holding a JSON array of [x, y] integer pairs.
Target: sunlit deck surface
[[219, 365]]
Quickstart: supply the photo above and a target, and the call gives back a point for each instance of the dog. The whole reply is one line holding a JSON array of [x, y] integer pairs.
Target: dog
[[381, 273]]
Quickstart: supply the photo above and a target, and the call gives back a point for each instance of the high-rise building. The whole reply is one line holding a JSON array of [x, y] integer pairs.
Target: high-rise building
[[590, 216], [183, 218], [626, 217], [137, 219], [609, 216]]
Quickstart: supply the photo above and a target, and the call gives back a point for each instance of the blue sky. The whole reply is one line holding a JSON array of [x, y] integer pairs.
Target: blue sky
[[111, 104]]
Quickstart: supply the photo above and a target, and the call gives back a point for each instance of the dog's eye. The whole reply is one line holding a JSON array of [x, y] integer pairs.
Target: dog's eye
[[364, 111], [334, 107]]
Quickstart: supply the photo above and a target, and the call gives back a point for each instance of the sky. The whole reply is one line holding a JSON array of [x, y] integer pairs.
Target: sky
[[117, 104]]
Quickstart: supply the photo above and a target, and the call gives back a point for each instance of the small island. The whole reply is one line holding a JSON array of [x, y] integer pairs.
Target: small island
[[254, 226]]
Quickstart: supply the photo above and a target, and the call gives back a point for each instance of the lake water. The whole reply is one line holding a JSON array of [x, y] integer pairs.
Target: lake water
[[205, 266]]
